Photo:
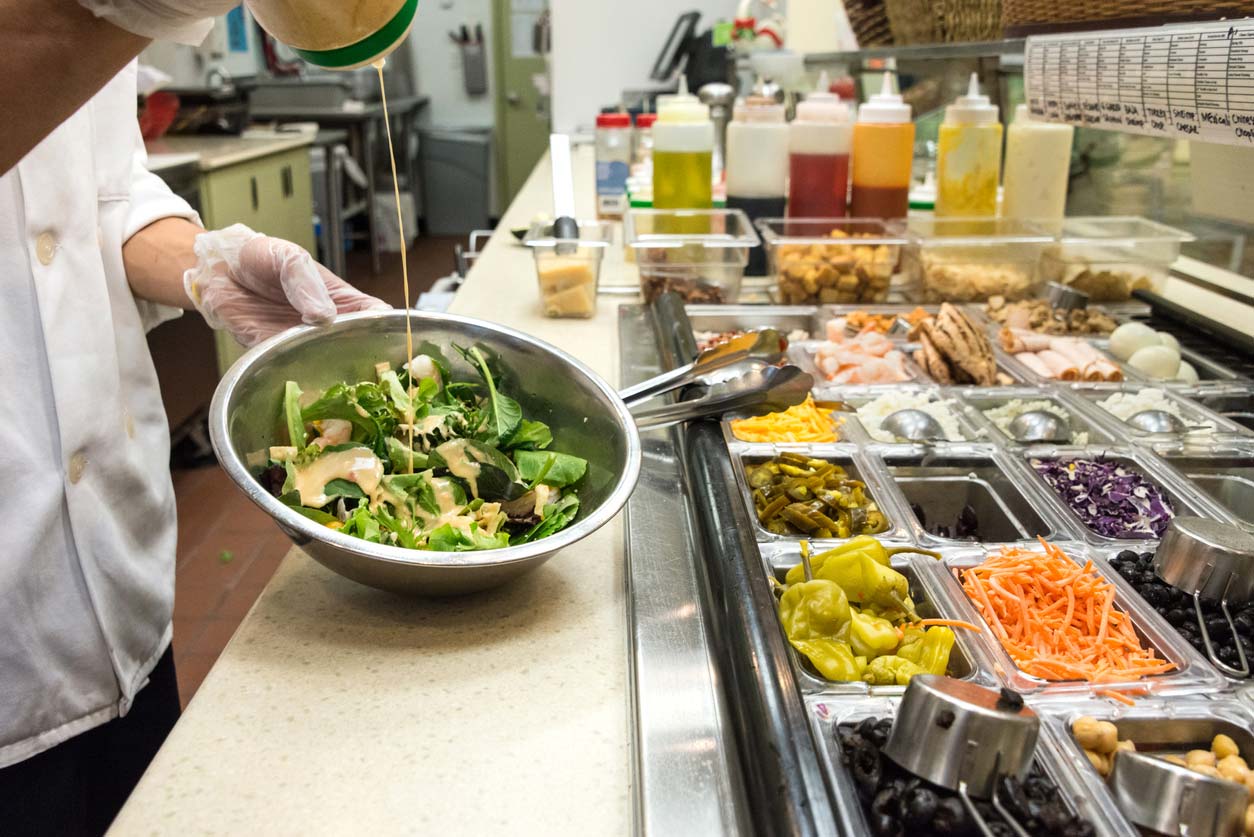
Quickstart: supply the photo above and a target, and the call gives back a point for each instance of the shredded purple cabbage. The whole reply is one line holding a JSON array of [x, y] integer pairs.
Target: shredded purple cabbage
[[1114, 500]]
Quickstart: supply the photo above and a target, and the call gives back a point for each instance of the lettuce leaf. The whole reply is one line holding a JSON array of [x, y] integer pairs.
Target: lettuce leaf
[[550, 467]]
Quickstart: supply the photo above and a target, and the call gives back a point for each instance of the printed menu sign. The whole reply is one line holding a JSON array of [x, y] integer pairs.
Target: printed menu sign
[[1194, 81]]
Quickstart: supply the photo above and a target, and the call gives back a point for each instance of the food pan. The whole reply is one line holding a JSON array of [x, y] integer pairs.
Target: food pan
[[828, 713], [967, 661], [982, 401], [1227, 478], [1184, 498], [858, 467], [899, 397], [1233, 402], [1156, 727], [811, 357], [940, 486], [791, 321], [1191, 674], [1190, 412]]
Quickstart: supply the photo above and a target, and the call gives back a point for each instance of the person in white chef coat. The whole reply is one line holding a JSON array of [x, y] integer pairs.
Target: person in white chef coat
[[94, 251]]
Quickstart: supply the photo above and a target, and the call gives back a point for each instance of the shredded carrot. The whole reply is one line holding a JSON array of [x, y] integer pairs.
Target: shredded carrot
[[1113, 695], [1057, 620], [949, 623], [805, 422]]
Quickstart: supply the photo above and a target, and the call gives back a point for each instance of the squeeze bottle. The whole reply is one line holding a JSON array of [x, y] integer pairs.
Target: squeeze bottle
[[1038, 161], [757, 164], [883, 151], [818, 156], [337, 34], [613, 163], [968, 157], [683, 151]]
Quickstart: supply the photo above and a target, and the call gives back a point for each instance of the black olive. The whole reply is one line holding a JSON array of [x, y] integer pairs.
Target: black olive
[[920, 806], [1126, 555], [1244, 623], [951, 817], [886, 802], [866, 728], [1128, 571], [1177, 616], [1146, 558], [1217, 626], [866, 770], [1227, 654], [1054, 816], [885, 825]]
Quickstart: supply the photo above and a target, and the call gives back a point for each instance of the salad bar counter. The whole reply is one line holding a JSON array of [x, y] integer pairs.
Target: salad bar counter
[[864, 580]]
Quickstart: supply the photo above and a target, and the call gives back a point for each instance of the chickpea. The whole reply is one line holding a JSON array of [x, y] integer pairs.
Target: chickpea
[[1176, 760], [1249, 820], [1223, 746], [1099, 736], [1205, 758], [1205, 770], [1128, 745], [1100, 763], [1233, 767]]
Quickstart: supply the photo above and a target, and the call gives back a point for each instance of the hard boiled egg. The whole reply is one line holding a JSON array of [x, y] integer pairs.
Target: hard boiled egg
[[1130, 338], [1156, 361]]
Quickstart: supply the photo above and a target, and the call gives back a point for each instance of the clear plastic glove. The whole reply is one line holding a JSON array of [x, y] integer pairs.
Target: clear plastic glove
[[181, 21], [255, 286]]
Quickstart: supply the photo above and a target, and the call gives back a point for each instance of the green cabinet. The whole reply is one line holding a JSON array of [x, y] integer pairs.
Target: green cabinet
[[272, 195]]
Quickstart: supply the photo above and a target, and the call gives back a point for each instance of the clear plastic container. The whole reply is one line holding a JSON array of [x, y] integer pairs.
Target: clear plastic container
[[1109, 258], [972, 259], [569, 270], [698, 253], [831, 260]]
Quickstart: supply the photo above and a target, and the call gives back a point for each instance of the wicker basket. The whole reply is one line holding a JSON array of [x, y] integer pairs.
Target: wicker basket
[[869, 20], [1026, 17], [944, 21]]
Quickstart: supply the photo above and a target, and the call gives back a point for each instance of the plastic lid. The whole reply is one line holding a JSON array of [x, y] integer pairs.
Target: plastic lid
[[758, 109], [613, 120], [973, 108], [885, 106], [645, 120], [682, 106], [1022, 114], [822, 105]]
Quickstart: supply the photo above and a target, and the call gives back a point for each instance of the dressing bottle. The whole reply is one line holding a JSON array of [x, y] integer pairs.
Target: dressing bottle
[[683, 150], [818, 156], [968, 157], [334, 34], [883, 151], [1038, 161], [757, 164]]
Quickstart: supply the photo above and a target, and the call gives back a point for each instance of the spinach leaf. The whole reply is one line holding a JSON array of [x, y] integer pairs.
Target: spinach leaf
[[531, 435], [557, 516], [400, 398], [396, 450], [448, 539], [292, 415], [316, 515], [563, 469], [504, 411], [362, 524], [404, 536], [366, 406], [344, 488], [498, 476]]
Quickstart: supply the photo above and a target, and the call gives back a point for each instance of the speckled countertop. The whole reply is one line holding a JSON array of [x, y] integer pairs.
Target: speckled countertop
[[338, 709]]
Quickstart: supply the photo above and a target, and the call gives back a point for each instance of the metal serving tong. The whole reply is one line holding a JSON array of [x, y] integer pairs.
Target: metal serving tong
[[739, 376], [965, 738], [1213, 561]]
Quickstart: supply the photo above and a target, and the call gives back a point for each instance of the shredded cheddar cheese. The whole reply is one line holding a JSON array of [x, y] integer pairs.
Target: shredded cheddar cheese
[[802, 423]]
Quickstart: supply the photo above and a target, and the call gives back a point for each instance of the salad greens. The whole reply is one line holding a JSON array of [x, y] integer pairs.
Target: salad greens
[[476, 475]]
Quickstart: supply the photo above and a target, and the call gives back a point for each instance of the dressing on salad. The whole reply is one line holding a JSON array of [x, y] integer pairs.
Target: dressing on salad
[[423, 462]]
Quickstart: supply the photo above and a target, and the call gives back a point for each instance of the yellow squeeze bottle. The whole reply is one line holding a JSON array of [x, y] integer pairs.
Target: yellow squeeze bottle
[[968, 159], [683, 152]]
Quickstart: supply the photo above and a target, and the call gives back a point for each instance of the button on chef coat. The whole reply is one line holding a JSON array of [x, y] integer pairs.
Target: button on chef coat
[[87, 546]]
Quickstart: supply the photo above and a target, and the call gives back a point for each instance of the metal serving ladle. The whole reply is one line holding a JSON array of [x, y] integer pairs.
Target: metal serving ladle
[[1040, 426], [914, 425], [1160, 421], [766, 345]]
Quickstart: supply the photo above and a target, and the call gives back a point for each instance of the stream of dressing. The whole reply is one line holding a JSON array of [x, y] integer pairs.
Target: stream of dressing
[[400, 226]]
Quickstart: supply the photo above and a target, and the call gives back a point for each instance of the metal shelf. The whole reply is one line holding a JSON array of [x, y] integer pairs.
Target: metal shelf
[[923, 52]]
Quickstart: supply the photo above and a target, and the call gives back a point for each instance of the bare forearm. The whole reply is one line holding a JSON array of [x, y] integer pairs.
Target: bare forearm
[[156, 258], [56, 56]]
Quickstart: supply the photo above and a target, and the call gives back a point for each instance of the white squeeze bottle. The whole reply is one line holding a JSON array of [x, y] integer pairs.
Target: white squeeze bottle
[[1038, 159]]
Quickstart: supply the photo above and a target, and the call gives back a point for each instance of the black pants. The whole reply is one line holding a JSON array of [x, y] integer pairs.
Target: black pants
[[78, 787]]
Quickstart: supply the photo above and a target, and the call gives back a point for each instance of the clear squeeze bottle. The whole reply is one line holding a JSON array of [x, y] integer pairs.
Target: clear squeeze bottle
[[1038, 162], [968, 157], [757, 164], [818, 156], [883, 151], [683, 150]]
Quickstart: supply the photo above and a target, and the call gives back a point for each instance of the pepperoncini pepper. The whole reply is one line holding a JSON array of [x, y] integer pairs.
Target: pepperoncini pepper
[[834, 659], [815, 609], [872, 636], [875, 550], [890, 670], [928, 649], [869, 584]]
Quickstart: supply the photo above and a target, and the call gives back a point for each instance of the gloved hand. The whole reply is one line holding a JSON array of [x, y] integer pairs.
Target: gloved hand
[[255, 286], [182, 21]]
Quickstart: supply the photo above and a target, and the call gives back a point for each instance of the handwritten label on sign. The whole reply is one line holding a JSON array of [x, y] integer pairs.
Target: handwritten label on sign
[[1194, 81]]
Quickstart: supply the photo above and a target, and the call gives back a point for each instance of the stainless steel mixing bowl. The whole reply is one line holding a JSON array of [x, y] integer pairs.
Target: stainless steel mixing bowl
[[586, 415]]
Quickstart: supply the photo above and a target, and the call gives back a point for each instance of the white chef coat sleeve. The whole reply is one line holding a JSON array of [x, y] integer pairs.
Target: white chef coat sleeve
[[152, 200]]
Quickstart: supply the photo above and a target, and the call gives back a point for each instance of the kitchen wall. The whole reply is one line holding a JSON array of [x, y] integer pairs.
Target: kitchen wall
[[601, 47], [437, 62]]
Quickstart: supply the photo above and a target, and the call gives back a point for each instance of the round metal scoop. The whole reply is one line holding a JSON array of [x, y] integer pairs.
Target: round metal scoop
[[1213, 561], [963, 737], [1167, 798], [1160, 421], [1040, 426], [915, 425], [1066, 298]]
